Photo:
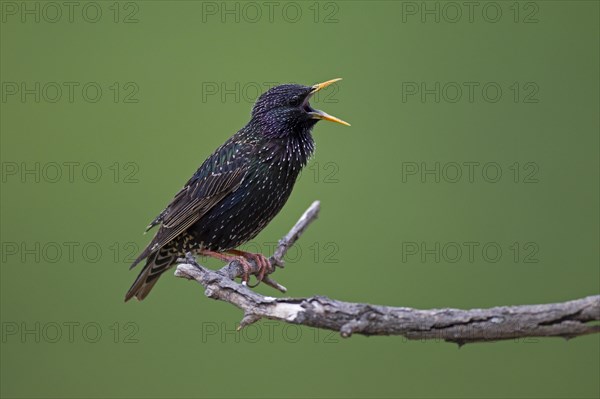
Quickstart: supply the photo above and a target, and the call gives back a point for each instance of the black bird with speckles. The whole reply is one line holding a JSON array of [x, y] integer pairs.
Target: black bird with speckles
[[239, 189]]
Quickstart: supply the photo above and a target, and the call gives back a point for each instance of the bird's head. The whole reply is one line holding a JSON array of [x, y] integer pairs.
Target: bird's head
[[285, 109]]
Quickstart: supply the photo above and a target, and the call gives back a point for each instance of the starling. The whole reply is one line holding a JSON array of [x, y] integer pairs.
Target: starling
[[238, 190]]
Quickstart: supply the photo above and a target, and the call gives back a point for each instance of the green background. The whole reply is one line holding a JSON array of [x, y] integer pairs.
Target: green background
[[179, 343]]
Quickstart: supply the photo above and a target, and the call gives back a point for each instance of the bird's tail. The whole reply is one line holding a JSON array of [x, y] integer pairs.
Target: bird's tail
[[157, 263]]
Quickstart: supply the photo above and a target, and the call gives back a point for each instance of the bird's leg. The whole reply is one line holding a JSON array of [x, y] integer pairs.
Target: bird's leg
[[261, 261], [226, 258]]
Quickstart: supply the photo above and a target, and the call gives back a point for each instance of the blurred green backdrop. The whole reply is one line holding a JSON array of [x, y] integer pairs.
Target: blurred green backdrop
[[469, 178]]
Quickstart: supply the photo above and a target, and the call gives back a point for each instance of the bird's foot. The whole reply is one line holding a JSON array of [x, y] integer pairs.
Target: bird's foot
[[227, 258], [263, 263]]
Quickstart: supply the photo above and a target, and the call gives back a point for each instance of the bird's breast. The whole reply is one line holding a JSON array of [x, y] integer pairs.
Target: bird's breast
[[273, 168]]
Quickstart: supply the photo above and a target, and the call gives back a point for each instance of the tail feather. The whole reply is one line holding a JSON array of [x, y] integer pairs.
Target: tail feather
[[157, 263], [145, 253]]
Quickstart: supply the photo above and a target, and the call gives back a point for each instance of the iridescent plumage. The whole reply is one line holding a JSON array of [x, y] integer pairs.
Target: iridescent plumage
[[240, 188]]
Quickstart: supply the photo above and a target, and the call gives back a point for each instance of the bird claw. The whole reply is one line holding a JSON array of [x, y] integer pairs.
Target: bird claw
[[262, 262], [264, 267], [247, 268]]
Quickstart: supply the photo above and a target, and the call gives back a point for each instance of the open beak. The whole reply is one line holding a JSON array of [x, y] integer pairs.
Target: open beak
[[318, 114]]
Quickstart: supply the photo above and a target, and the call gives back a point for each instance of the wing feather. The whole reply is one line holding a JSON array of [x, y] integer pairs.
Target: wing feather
[[201, 193]]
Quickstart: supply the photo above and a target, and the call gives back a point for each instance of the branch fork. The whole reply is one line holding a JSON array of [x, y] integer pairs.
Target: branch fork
[[567, 319]]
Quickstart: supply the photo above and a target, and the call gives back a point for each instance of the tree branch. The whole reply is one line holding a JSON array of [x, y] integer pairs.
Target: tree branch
[[567, 319]]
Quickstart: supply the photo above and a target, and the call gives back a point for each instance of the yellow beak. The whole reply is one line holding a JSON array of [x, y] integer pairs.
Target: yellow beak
[[318, 114], [321, 86]]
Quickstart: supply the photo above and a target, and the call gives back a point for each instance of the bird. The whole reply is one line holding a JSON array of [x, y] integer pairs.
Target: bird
[[238, 189]]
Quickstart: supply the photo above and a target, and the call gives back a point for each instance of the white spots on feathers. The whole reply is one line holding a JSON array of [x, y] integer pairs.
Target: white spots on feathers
[[270, 171]]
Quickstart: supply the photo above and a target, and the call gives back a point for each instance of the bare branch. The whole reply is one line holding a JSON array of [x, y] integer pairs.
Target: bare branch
[[290, 238], [567, 319]]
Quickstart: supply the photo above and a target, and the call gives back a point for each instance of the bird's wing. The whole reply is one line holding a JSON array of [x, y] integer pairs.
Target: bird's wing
[[218, 176]]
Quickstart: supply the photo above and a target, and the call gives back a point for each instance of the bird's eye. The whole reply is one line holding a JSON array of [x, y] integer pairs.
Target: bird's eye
[[295, 101]]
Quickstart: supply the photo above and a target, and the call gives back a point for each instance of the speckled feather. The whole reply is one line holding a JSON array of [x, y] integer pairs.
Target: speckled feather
[[238, 190]]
